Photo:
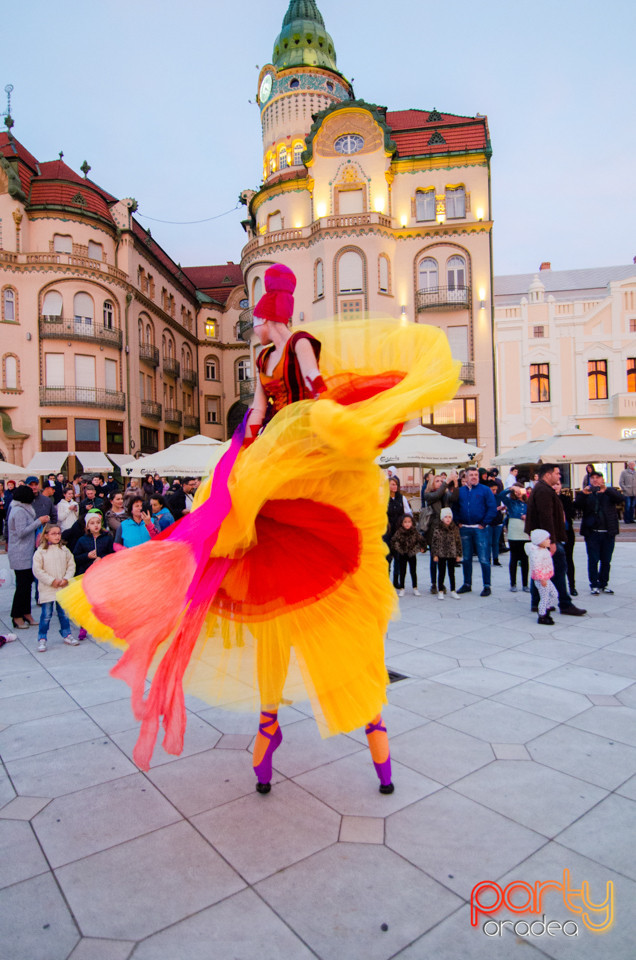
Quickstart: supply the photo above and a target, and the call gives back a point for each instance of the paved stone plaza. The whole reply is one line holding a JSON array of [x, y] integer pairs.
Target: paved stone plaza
[[514, 752]]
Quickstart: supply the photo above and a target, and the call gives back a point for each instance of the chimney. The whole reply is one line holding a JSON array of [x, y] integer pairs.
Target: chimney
[[546, 265]]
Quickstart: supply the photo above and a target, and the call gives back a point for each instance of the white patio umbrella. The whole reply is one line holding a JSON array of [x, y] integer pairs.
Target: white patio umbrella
[[421, 447], [567, 446], [194, 456], [11, 471]]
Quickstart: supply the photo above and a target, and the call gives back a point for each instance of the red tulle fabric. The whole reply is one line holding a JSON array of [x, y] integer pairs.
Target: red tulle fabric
[[304, 550]]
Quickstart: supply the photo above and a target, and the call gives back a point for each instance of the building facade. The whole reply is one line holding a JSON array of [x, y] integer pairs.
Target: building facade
[[375, 211], [566, 353]]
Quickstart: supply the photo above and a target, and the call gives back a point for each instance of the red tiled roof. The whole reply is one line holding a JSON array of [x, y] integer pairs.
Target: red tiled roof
[[58, 170], [160, 254], [27, 164], [411, 130], [217, 280], [76, 194]]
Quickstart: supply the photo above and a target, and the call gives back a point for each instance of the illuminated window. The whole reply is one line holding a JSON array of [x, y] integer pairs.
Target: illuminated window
[[597, 379], [455, 202], [455, 412], [210, 328], [631, 374], [424, 205], [632, 326], [282, 158], [538, 332], [539, 383], [298, 154]]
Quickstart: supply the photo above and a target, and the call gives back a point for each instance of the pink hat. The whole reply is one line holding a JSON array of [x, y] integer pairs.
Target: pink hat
[[278, 303]]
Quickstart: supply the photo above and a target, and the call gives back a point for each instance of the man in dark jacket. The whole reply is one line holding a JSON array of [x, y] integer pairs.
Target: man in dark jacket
[[474, 508], [546, 513], [599, 526]]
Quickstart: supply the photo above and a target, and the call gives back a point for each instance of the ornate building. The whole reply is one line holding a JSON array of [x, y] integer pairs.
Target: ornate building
[[375, 211]]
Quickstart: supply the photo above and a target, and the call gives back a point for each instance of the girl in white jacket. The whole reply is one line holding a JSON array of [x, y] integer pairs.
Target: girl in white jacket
[[53, 567], [542, 571]]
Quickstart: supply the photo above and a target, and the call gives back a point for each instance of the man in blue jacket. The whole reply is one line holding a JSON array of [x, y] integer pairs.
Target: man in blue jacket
[[474, 509]]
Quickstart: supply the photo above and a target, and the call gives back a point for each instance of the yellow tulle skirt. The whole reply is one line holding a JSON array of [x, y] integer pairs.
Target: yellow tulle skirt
[[301, 597]]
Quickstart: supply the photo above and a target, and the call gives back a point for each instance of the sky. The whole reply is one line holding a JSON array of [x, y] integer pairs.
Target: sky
[[155, 95]]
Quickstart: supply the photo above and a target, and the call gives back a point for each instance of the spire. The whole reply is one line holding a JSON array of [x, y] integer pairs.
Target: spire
[[303, 40]]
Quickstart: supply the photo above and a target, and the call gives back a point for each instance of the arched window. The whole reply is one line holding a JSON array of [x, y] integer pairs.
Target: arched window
[[83, 308], [282, 158], [424, 205], [274, 222], [186, 359], [383, 273], [455, 202], [350, 273], [95, 250], [257, 291], [62, 243], [427, 274], [140, 328], [164, 346], [298, 154], [10, 372], [456, 273], [109, 313], [211, 368], [149, 336], [52, 304], [243, 370], [8, 305], [320, 280]]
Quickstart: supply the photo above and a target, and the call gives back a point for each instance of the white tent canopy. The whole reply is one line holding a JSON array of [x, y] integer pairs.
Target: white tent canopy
[[11, 471], [568, 446], [95, 461], [421, 447], [195, 457], [47, 461]]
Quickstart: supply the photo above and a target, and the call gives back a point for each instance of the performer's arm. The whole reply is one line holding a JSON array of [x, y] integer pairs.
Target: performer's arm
[[257, 414], [309, 368]]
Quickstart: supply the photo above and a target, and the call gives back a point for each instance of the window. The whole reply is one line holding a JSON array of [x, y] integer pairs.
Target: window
[[257, 291], [631, 374], [632, 326], [84, 371], [83, 308], [456, 273], [349, 143], [455, 202], [108, 314], [424, 205], [597, 379], [538, 333], [211, 368], [350, 309], [10, 372], [210, 328], [142, 386], [539, 383], [95, 250], [54, 433], [62, 244], [298, 154], [212, 410], [320, 280], [8, 305], [350, 201], [54, 369], [52, 304], [282, 158], [114, 436], [458, 340], [383, 271], [243, 370], [87, 434], [111, 375], [455, 411], [427, 274], [274, 222], [350, 272], [149, 440]]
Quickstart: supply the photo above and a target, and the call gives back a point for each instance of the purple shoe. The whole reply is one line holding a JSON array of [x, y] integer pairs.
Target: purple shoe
[[263, 769], [382, 767]]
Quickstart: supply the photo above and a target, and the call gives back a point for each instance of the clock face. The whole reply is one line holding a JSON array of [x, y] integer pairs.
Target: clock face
[[266, 88]]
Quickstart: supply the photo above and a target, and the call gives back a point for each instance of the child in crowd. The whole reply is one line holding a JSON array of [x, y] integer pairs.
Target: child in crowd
[[53, 567], [446, 550], [406, 543], [542, 571]]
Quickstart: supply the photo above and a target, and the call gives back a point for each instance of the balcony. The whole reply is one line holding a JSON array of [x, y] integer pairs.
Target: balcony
[[323, 224], [191, 422], [467, 372], [190, 376], [171, 367], [151, 409], [246, 324], [442, 298], [173, 416], [149, 354], [246, 390], [82, 397], [63, 329], [624, 405]]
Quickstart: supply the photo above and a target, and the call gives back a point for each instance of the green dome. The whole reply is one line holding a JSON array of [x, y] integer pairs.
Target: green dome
[[303, 40]]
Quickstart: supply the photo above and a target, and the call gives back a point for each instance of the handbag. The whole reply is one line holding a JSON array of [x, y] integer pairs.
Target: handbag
[[425, 518]]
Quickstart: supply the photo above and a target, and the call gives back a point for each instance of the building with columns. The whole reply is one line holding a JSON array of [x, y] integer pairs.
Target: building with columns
[[376, 211]]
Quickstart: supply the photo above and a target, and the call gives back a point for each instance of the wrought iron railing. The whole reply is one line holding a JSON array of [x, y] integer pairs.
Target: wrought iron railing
[[246, 324], [189, 376], [149, 353], [246, 389], [61, 328], [83, 397], [442, 298], [190, 422], [467, 372], [171, 367], [151, 409], [173, 416]]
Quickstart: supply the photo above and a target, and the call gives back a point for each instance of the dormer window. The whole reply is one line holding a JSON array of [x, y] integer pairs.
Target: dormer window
[[349, 143]]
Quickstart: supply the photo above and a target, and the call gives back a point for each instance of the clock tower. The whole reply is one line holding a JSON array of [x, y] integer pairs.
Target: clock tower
[[302, 80]]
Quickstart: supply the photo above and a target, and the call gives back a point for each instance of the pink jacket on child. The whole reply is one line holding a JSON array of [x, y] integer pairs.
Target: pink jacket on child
[[541, 565]]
